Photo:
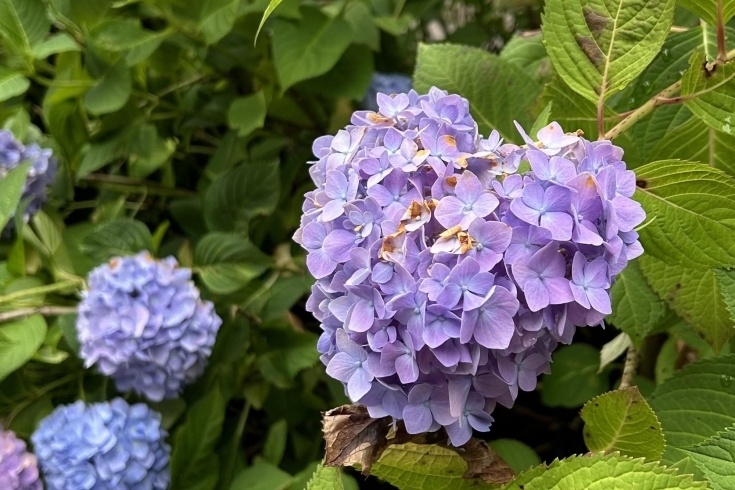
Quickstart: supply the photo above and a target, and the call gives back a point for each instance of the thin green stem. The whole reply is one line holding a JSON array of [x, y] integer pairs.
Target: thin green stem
[[721, 47], [42, 310], [50, 288], [229, 469]]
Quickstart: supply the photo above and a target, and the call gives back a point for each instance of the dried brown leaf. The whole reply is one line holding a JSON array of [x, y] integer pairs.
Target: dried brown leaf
[[353, 437]]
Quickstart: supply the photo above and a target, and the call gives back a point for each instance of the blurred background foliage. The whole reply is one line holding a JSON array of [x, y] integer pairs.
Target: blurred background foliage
[[178, 133]]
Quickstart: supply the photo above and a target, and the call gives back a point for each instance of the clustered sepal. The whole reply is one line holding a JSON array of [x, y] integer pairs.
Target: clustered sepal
[[444, 278], [41, 173], [103, 446], [18, 466], [142, 322]]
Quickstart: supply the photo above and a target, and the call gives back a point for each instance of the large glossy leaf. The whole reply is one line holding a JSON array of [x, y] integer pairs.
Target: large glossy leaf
[[621, 420], [709, 92], [12, 83], [602, 473], [715, 457], [694, 404], [227, 262], [308, 47], [695, 295], [117, 238], [498, 91], [707, 9], [23, 23], [599, 46], [692, 208], [19, 341]]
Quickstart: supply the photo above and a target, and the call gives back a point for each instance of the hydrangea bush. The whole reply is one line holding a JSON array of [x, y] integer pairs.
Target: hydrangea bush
[[18, 467], [143, 324], [105, 446], [445, 278]]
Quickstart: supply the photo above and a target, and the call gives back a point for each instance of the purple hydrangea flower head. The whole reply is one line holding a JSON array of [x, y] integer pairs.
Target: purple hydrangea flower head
[[103, 446], [40, 176], [18, 467], [445, 279], [143, 323]]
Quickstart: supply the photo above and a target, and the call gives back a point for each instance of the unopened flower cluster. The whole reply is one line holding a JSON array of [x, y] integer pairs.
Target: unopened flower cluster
[[444, 278], [18, 467], [104, 446], [143, 323], [41, 172]]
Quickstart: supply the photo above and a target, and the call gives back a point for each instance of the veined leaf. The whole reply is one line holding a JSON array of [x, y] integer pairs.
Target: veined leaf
[[268, 11], [709, 92], [23, 23], [726, 283], [326, 478], [598, 47], [715, 457], [602, 472], [227, 262], [12, 84], [498, 91], [518, 455], [621, 420], [694, 404], [19, 341], [262, 475], [528, 53], [11, 190], [574, 378], [692, 208], [309, 47], [247, 114], [58, 43], [707, 9], [217, 18], [117, 238], [111, 92]]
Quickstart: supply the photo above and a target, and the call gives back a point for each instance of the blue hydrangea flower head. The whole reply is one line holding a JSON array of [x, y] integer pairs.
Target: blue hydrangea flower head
[[143, 323], [386, 83], [445, 279], [18, 467], [41, 173], [103, 446]]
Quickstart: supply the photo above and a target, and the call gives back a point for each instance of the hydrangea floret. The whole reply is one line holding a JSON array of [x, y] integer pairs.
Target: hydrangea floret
[[41, 173], [386, 83], [18, 467], [445, 279], [103, 446], [143, 323]]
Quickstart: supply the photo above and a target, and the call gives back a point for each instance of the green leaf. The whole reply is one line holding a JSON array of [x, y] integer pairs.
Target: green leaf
[[268, 11], [247, 114], [614, 349], [326, 478], [694, 294], [118, 35], [194, 462], [621, 420], [262, 475], [708, 92], [542, 119], [275, 442], [519, 456], [351, 76], [12, 84], [707, 9], [111, 92], [715, 457], [217, 18], [419, 467], [227, 262], [11, 190], [598, 47], [23, 23], [694, 404], [58, 43], [574, 378], [610, 471], [692, 212], [528, 53], [498, 91], [117, 238], [309, 47], [19, 341], [291, 353], [101, 153], [235, 197], [726, 283], [364, 30], [636, 308]]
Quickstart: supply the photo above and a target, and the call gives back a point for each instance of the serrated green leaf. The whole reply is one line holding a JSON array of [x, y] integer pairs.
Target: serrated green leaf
[[636, 308], [709, 92], [11, 190], [194, 462], [217, 18], [498, 91], [621, 420], [235, 197], [574, 378], [23, 23], [262, 475], [58, 43], [247, 114], [707, 9], [726, 283], [715, 457], [603, 472], [117, 238], [598, 47], [111, 92], [227, 261], [694, 294], [268, 11], [528, 53], [419, 467], [692, 208], [12, 84], [309, 47], [19, 341], [326, 478], [518, 455], [694, 404]]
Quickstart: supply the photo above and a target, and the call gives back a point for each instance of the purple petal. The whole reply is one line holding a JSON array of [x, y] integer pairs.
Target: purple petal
[[359, 384], [341, 367], [449, 212], [338, 245], [417, 418]]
